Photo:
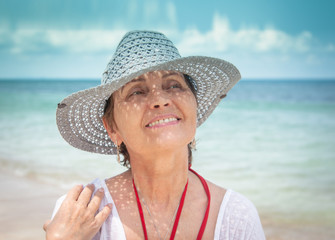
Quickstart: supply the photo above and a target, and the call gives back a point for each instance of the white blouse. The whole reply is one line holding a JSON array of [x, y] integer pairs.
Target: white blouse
[[237, 220]]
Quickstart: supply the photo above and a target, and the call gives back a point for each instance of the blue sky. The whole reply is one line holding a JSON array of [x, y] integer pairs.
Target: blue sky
[[76, 38]]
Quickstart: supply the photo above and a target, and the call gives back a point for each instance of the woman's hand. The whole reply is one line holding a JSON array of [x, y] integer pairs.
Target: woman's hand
[[77, 218]]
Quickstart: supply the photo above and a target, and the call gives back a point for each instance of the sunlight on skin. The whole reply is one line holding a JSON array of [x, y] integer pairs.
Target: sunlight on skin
[[120, 188], [160, 147], [155, 115], [150, 97]]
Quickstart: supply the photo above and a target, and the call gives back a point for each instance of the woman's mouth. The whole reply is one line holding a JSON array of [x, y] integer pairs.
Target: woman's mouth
[[163, 122]]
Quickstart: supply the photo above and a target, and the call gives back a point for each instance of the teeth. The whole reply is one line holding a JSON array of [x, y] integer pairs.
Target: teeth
[[162, 121]]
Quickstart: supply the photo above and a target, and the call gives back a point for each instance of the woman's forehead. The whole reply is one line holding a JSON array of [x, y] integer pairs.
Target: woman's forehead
[[158, 73]]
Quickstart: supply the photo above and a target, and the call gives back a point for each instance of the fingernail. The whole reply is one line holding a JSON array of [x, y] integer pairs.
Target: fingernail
[[110, 205], [101, 190]]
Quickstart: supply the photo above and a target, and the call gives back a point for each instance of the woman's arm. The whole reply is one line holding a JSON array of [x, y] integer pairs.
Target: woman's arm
[[77, 218]]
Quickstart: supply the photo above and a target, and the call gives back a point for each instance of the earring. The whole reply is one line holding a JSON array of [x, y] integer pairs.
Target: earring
[[193, 144], [118, 152]]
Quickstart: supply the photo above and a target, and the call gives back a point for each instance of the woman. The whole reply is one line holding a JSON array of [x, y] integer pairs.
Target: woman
[[148, 107]]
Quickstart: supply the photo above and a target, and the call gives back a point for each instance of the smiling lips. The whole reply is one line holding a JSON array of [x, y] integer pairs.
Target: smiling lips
[[163, 122]]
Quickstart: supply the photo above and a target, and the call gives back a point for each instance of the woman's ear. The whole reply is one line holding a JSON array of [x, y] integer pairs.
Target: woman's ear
[[114, 135]]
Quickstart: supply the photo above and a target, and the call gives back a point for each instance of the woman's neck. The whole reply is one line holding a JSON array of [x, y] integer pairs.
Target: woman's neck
[[160, 178]]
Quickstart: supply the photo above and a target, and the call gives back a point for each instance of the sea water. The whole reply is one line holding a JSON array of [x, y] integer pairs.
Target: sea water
[[271, 140]]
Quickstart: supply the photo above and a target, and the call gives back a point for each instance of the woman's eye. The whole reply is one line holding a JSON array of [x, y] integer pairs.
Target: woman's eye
[[176, 85], [136, 92]]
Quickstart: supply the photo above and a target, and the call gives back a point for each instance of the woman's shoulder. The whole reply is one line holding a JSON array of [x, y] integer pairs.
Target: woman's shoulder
[[237, 201], [216, 190], [231, 200], [119, 182], [113, 182], [107, 184], [238, 214]]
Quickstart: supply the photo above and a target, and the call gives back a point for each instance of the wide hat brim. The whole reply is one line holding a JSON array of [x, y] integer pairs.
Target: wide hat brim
[[79, 116]]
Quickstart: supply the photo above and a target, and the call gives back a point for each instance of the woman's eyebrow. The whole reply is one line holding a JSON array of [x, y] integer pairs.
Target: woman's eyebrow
[[133, 81], [170, 74]]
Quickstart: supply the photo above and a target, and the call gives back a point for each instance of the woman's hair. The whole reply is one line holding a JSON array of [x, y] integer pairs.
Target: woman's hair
[[109, 115]]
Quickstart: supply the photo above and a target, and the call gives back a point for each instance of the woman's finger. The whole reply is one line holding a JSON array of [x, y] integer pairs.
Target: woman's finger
[[45, 225], [94, 204], [78, 219], [85, 196], [101, 217], [74, 193]]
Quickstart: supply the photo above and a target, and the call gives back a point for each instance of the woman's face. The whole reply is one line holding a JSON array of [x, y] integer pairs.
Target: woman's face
[[154, 111]]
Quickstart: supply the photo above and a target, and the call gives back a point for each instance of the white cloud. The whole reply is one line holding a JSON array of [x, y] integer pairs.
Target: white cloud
[[222, 38], [27, 41], [256, 52], [85, 40]]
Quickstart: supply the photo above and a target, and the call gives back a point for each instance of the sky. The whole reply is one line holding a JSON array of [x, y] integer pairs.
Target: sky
[[264, 39]]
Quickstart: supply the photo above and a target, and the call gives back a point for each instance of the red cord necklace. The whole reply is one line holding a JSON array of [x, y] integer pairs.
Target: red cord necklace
[[180, 208]]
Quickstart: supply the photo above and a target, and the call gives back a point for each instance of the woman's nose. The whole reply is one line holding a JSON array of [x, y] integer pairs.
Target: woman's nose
[[159, 99]]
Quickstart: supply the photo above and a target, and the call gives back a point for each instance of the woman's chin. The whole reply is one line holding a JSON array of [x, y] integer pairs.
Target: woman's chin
[[171, 135], [171, 141]]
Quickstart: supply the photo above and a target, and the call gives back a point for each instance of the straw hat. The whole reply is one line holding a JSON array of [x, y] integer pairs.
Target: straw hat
[[79, 116]]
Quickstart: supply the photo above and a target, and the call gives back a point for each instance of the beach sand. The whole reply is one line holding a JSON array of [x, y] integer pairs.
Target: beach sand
[[25, 204], [275, 230]]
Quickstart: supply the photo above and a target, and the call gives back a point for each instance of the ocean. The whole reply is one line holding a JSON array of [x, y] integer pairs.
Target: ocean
[[271, 140]]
